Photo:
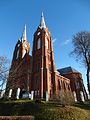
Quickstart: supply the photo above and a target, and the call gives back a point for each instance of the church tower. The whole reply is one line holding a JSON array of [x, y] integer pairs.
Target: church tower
[[43, 67], [20, 71], [22, 47]]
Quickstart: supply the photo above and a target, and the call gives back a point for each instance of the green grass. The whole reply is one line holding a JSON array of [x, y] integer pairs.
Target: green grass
[[45, 111]]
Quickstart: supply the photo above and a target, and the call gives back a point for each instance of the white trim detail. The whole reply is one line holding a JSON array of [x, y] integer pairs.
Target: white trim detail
[[32, 95], [10, 93], [75, 97], [18, 93], [82, 96]]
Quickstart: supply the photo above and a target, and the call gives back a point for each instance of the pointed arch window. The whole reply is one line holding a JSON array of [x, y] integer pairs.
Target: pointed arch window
[[17, 54], [77, 85], [46, 43], [38, 43], [59, 86]]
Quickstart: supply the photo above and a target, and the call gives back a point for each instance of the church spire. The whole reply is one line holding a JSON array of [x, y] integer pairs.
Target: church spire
[[24, 36], [42, 22]]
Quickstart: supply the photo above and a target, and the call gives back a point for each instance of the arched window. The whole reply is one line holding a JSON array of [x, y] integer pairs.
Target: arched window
[[68, 87], [17, 54], [59, 85], [77, 85], [46, 43], [64, 86], [38, 44]]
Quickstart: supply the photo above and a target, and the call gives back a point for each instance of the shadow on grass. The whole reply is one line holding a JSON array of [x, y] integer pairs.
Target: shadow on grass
[[44, 111], [9, 109], [83, 105]]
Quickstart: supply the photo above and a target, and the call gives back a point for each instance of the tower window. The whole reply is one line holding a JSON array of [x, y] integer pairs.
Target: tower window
[[38, 44], [17, 54], [64, 86], [18, 45], [77, 85], [46, 43], [38, 33]]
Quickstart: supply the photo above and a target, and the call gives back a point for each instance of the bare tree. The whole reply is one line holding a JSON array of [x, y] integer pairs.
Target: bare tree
[[81, 49], [4, 68]]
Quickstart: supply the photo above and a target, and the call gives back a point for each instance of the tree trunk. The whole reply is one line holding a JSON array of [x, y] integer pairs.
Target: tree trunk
[[88, 82]]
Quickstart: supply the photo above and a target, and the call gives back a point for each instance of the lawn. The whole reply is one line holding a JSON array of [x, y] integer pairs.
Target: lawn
[[45, 111]]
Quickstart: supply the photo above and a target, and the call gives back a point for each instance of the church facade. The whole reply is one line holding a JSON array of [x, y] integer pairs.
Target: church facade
[[37, 74]]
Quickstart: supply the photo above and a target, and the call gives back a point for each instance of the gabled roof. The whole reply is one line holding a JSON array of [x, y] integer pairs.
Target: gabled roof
[[67, 70]]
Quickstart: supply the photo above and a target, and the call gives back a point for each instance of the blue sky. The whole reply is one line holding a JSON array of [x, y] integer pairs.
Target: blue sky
[[63, 18]]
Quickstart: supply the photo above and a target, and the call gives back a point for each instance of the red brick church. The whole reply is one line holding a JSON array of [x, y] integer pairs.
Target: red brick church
[[37, 74]]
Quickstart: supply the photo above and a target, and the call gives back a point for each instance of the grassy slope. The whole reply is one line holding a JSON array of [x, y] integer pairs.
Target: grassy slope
[[45, 111]]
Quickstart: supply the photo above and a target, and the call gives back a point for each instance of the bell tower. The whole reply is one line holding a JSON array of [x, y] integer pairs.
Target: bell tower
[[22, 47], [20, 71], [43, 66]]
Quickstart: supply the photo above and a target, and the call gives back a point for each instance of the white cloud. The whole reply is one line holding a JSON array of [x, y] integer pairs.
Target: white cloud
[[54, 40], [66, 42]]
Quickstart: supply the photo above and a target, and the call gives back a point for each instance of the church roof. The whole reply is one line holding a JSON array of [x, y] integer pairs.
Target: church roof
[[42, 22], [67, 70], [24, 36]]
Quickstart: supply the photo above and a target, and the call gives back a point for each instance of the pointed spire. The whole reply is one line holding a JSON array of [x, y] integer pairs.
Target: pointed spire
[[24, 36], [42, 22]]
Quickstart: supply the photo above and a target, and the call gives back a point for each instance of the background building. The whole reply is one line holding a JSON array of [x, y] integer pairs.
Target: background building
[[76, 82]]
